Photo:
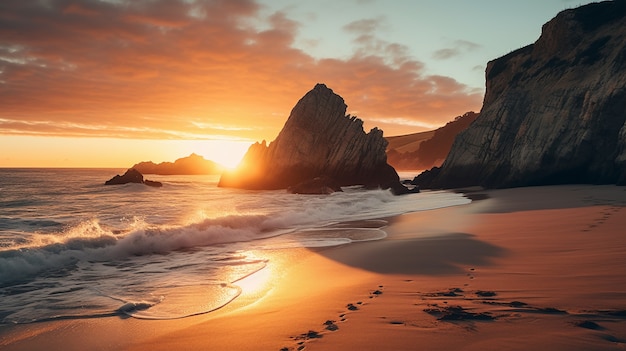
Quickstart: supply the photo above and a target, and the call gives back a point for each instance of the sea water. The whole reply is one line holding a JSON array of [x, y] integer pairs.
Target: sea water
[[71, 247]]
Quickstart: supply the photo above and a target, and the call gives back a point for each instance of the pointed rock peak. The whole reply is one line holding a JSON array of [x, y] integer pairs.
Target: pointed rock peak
[[320, 106], [322, 91], [322, 87], [318, 140]]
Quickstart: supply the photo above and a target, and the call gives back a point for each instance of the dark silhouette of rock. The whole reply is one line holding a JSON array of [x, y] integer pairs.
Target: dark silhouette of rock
[[554, 112], [318, 185], [431, 147], [131, 176], [318, 139], [387, 178], [190, 165], [427, 177]]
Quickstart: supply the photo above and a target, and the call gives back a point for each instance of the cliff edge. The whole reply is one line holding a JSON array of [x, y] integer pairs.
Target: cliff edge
[[554, 112]]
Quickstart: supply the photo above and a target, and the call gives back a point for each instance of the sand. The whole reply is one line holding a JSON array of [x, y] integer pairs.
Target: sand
[[540, 268]]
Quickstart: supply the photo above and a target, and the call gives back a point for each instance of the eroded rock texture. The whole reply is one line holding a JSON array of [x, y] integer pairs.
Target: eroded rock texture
[[317, 140], [554, 111]]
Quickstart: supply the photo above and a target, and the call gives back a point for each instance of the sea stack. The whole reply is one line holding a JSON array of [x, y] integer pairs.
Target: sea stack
[[318, 140], [132, 176], [554, 111]]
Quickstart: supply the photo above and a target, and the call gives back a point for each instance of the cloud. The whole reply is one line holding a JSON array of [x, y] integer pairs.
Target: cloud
[[169, 69], [365, 26], [460, 47], [480, 68]]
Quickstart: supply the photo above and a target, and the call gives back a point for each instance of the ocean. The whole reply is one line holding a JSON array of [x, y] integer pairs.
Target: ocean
[[71, 247]]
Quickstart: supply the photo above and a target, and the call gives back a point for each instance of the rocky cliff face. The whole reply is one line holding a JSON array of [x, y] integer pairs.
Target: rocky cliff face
[[554, 111], [318, 139]]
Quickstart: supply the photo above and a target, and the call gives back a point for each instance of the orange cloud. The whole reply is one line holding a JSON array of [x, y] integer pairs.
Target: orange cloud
[[195, 69]]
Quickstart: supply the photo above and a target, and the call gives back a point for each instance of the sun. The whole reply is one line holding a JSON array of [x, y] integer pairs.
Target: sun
[[227, 153]]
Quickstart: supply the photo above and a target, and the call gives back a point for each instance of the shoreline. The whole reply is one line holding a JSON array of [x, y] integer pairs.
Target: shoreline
[[521, 268]]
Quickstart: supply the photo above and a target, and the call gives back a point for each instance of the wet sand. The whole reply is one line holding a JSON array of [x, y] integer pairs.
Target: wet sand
[[539, 268]]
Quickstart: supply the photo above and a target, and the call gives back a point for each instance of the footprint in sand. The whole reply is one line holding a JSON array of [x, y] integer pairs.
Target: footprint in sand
[[613, 339], [376, 292], [588, 325], [330, 325]]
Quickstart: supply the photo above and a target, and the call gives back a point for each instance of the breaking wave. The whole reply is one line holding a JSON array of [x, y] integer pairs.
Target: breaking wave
[[88, 251]]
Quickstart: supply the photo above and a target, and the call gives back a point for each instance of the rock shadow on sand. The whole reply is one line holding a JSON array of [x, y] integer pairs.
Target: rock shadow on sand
[[553, 197], [437, 255]]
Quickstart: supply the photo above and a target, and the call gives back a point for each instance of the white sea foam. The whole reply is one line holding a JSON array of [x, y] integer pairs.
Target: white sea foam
[[142, 251]]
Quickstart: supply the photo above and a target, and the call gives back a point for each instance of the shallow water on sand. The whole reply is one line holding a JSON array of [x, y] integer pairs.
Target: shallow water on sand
[[71, 247]]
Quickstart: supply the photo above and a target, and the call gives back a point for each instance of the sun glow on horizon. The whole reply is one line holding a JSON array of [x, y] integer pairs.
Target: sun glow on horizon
[[225, 152], [68, 152]]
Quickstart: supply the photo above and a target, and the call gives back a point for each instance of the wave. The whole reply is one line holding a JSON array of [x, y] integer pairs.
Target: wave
[[89, 241], [143, 259], [270, 215]]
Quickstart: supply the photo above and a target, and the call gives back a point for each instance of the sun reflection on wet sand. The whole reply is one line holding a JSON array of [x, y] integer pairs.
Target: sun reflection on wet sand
[[255, 283]]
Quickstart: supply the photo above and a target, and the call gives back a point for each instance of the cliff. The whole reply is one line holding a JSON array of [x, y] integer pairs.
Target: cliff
[[554, 112], [190, 165], [430, 148], [318, 140], [407, 143]]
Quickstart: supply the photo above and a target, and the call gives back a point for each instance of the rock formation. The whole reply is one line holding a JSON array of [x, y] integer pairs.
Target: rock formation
[[554, 112], [190, 165], [132, 176], [318, 139]]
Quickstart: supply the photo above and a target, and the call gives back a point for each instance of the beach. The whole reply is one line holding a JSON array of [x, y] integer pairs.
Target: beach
[[540, 268]]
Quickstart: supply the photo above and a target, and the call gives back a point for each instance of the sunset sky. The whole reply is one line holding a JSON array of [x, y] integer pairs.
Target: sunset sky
[[109, 83]]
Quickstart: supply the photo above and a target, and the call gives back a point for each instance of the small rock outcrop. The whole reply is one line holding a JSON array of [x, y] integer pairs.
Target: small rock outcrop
[[132, 176], [554, 112], [190, 165], [318, 140]]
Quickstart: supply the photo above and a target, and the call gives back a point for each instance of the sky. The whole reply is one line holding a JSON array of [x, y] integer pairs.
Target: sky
[[109, 83]]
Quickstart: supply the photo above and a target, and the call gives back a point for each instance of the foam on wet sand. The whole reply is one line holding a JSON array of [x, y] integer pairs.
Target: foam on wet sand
[[517, 269]]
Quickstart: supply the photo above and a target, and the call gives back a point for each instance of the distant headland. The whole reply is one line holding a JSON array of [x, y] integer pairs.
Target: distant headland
[[191, 165], [428, 149]]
